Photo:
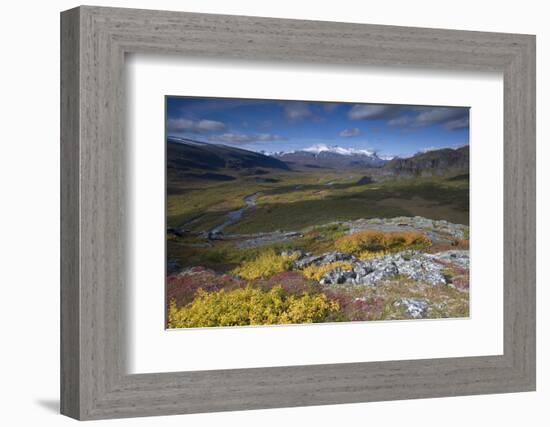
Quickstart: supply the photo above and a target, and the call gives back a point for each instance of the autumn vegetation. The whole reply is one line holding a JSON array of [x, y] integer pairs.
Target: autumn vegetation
[[264, 286], [251, 306], [375, 242]]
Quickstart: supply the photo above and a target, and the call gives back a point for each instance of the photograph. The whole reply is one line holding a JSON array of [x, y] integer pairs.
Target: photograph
[[277, 209], [291, 212]]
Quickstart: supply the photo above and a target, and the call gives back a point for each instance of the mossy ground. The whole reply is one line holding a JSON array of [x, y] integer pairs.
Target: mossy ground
[[303, 202], [299, 200]]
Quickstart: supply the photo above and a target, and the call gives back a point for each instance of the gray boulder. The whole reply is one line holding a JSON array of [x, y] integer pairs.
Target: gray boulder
[[460, 258], [323, 259], [337, 276], [374, 272], [421, 269], [413, 265], [414, 307]]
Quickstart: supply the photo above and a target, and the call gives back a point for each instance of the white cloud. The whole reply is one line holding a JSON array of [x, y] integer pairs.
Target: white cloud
[[195, 126], [438, 115], [450, 118], [295, 111], [241, 138], [350, 132], [210, 125], [401, 121], [457, 124], [372, 112]]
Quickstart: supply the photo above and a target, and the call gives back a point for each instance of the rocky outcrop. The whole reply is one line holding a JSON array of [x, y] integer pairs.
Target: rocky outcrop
[[460, 258], [414, 307], [323, 259], [420, 267], [338, 276]]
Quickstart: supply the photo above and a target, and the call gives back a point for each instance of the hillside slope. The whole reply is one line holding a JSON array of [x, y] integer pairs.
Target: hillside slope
[[186, 154], [438, 162]]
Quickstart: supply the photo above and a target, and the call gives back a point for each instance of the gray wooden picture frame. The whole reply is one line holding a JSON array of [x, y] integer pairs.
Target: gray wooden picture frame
[[94, 382]]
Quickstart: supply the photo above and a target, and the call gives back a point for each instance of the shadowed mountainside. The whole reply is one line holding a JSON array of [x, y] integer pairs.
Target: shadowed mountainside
[[184, 155], [437, 162]]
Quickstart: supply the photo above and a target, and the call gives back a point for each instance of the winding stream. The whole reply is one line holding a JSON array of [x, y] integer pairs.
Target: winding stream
[[233, 216]]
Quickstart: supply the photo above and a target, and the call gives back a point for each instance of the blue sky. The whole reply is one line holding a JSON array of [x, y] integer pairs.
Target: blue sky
[[272, 125]]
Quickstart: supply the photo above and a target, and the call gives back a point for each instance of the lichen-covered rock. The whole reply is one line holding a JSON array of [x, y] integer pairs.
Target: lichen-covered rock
[[374, 271], [414, 307], [416, 266], [323, 259], [460, 258], [421, 269], [337, 276]]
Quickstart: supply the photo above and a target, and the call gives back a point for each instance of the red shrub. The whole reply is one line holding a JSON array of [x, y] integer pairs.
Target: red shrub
[[181, 287]]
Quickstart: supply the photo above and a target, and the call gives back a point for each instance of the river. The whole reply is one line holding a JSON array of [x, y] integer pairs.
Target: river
[[233, 216]]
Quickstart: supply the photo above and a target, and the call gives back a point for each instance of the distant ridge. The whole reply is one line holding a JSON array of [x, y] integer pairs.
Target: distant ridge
[[331, 156], [186, 155], [444, 161], [187, 158]]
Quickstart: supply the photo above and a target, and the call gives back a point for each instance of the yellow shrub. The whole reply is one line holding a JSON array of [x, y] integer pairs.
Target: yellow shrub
[[415, 238], [381, 241], [318, 271], [364, 240], [266, 264], [250, 306], [371, 254]]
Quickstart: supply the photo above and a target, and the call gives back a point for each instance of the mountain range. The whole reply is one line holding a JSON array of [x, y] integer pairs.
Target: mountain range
[[331, 157], [188, 158]]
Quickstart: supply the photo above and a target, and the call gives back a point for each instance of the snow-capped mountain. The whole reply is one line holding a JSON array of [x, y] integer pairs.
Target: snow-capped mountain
[[332, 156], [323, 148]]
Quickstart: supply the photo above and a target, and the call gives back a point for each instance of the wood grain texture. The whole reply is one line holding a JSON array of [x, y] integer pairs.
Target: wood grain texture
[[94, 271], [70, 263]]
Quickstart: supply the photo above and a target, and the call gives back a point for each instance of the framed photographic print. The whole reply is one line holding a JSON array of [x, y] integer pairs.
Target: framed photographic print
[[283, 212], [261, 213]]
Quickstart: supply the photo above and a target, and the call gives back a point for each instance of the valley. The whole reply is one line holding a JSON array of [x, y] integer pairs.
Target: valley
[[349, 235]]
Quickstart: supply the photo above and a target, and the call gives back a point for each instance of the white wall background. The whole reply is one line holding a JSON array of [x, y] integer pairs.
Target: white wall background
[[29, 214]]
